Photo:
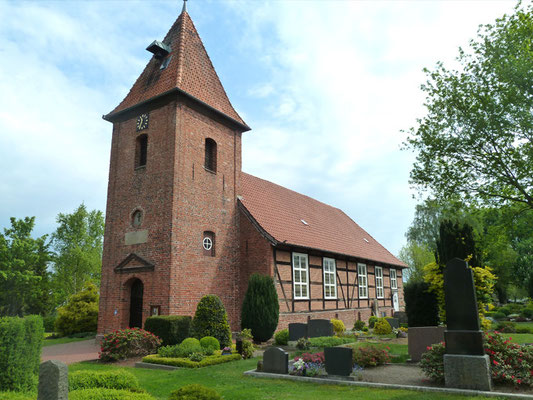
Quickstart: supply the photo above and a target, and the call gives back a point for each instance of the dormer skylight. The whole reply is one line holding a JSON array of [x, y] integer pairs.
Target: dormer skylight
[[159, 49], [366, 240], [303, 222]]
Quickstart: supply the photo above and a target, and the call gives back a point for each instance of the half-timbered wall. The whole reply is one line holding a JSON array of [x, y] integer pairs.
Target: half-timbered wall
[[348, 305]]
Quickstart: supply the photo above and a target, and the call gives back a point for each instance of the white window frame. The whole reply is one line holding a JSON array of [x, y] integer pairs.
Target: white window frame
[[393, 279], [379, 282], [298, 269], [362, 281], [330, 270]]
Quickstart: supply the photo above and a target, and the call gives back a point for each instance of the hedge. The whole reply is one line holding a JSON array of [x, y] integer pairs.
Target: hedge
[[196, 392], [331, 341], [107, 394], [186, 363], [171, 329], [21, 340], [118, 379], [17, 396]]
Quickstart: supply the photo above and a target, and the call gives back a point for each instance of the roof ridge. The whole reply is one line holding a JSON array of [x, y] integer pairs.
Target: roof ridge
[[181, 47], [298, 193]]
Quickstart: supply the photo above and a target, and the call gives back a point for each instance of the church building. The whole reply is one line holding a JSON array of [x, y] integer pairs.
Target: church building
[[183, 220]]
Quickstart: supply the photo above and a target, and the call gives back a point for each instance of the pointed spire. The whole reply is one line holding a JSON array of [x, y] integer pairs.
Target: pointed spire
[[186, 67]]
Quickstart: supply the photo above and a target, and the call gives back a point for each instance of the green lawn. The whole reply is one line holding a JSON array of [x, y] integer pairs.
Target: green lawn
[[51, 342], [228, 380], [520, 338]]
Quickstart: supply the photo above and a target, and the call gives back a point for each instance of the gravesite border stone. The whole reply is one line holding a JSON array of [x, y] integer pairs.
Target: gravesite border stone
[[276, 361], [466, 366], [53, 381]]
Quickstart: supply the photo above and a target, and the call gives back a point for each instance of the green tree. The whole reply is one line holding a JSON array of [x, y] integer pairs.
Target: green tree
[[77, 242], [24, 278], [416, 256], [475, 140], [211, 319], [80, 314], [260, 308]]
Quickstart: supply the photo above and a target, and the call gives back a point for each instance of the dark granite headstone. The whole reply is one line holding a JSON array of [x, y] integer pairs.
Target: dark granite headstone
[[394, 323], [276, 361], [463, 335], [402, 316], [297, 331], [53, 381], [339, 360], [238, 346], [319, 327]]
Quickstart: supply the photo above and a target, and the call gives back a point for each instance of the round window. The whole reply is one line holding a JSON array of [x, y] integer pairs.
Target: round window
[[136, 219], [208, 243]]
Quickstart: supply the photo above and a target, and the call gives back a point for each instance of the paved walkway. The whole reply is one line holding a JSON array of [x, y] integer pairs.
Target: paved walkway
[[70, 353]]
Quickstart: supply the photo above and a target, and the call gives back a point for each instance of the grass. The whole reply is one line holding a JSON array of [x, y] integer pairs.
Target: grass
[[229, 381], [519, 338], [62, 340]]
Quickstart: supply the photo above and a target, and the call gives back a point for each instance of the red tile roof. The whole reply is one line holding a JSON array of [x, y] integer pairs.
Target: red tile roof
[[281, 213], [190, 69]]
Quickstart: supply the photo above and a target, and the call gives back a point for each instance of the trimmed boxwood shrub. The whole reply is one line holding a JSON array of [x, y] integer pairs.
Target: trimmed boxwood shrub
[[107, 394], [211, 319], [210, 342], [186, 363], [372, 320], [338, 326], [382, 327], [526, 313], [171, 329], [119, 379], [184, 349], [331, 341], [282, 337], [260, 308], [497, 315], [126, 343], [421, 305], [21, 340], [194, 392], [358, 325], [80, 314]]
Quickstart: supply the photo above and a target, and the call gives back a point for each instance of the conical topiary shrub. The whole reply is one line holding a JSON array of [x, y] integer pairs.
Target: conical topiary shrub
[[260, 308], [211, 319]]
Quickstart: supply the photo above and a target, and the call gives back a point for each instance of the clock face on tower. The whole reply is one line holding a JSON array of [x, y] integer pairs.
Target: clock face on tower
[[142, 122]]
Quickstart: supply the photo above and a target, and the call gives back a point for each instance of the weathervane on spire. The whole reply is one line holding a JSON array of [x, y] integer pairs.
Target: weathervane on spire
[[184, 6]]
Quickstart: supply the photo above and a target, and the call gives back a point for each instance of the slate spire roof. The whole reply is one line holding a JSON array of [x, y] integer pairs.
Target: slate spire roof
[[189, 70], [288, 217]]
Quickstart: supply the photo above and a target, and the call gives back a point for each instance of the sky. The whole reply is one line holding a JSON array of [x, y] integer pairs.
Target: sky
[[328, 87]]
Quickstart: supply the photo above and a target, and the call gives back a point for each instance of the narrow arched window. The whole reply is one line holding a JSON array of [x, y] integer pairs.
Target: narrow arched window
[[210, 155], [141, 151], [208, 243]]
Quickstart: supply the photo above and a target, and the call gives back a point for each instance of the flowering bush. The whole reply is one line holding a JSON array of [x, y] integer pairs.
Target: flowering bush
[[370, 356], [125, 343], [432, 362], [317, 358], [308, 364], [510, 362], [226, 350]]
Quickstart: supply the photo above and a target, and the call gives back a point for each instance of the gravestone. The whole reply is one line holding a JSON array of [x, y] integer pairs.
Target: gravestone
[[466, 366], [375, 308], [53, 381], [402, 316], [297, 331], [276, 361], [394, 323], [319, 327], [339, 360]]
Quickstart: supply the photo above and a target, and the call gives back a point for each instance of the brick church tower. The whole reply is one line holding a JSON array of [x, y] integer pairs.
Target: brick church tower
[[172, 221]]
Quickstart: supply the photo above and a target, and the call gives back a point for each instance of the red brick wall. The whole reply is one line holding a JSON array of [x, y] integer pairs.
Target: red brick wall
[[180, 200], [256, 254], [148, 189]]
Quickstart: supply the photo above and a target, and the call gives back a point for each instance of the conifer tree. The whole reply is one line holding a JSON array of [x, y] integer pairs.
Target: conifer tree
[[260, 309]]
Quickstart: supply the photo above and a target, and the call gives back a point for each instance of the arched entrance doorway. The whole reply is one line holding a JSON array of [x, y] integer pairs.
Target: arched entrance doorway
[[136, 304]]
